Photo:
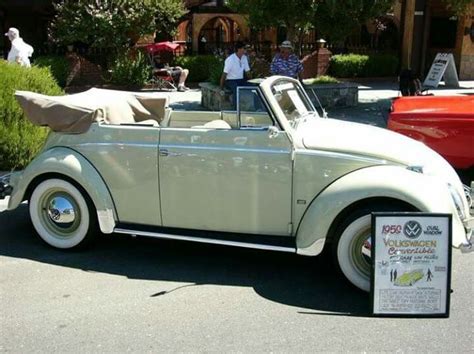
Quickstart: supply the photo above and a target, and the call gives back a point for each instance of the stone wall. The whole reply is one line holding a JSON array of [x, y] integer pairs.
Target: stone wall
[[344, 94]]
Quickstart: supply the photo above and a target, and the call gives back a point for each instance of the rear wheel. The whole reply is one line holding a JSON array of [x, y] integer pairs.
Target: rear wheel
[[352, 246], [61, 215]]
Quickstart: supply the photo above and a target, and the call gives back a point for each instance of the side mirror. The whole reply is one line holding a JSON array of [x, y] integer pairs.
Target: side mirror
[[273, 132]]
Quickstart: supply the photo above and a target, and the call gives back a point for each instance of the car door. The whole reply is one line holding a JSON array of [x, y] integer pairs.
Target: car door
[[233, 180]]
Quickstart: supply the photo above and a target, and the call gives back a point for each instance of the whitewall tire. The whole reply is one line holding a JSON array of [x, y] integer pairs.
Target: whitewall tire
[[61, 215], [353, 253]]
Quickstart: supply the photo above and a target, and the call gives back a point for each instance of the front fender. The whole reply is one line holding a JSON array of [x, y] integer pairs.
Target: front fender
[[71, 164], [425, 193]]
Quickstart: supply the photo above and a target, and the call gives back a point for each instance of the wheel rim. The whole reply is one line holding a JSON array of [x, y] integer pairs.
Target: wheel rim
[[59, 213], [360, 251]]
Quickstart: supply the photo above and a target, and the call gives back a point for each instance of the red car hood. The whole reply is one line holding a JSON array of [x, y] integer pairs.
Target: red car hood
[[429, 106]]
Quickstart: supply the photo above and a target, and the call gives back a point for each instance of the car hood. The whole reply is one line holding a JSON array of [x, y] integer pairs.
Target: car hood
[[369, 141]]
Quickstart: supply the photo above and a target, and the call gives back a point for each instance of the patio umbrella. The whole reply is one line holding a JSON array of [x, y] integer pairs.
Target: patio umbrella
[[162, 47]]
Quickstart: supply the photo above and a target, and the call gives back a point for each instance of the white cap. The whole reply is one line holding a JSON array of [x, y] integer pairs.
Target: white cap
[[286, 44], [13, 32]]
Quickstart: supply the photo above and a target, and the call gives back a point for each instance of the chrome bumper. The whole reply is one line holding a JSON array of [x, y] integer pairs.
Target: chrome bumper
[[5, 188]]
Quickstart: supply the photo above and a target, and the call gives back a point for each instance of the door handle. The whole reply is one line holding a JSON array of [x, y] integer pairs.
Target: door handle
[[164, 152]]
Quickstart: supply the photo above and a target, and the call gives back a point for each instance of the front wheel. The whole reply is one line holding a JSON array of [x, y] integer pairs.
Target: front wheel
[[352, 246], [61, 214]]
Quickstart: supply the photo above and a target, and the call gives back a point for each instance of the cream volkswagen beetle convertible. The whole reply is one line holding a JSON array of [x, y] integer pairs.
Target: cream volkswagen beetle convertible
[[272, 175]]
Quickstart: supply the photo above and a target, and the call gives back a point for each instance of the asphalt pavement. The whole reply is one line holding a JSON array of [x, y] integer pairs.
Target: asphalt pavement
[[144, 295]]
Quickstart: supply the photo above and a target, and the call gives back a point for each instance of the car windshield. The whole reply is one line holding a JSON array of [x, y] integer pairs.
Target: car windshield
[[293, 101]]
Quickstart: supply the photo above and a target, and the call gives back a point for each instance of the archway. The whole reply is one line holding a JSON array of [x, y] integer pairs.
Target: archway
[[218, 34], [217, 31]]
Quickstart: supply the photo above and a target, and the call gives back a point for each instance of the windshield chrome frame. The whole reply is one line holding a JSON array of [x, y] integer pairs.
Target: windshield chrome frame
[[303, 95]]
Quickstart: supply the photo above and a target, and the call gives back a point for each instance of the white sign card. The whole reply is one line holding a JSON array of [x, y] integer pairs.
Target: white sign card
[[411, 264], [443, 66]]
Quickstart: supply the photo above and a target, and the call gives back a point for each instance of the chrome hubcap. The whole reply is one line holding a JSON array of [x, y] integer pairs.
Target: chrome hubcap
[[60, 213], [361, 252]]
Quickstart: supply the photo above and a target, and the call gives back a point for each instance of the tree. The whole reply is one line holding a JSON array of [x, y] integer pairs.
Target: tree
[[112, 23], [296, 15], [459, 7], [336, 19]]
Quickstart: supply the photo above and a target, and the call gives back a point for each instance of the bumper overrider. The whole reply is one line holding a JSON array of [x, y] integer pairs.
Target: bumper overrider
[[468, 220], [5, 187]]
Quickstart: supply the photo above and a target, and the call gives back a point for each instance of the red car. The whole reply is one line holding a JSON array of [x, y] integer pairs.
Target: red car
[[444, 123]]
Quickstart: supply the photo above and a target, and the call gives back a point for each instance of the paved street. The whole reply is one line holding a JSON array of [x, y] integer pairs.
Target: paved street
[[145, 295]]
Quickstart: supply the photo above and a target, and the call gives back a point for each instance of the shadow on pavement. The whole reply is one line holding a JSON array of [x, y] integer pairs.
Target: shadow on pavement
[[304, 282]]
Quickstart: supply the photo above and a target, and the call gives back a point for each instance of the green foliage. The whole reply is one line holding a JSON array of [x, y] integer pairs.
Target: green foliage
[[112, 23], [336, 19], [295, 15], [355, 65], [321, 80], [130, 69], [215, 72], [19, 139], [199, 66], [58, 65], [459, 7]]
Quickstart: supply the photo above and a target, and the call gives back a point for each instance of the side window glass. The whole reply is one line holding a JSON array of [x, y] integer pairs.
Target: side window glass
[[252, 112]]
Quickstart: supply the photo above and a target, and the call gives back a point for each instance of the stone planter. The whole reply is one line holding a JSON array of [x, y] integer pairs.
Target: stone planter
[[212, 99], [343, 94]]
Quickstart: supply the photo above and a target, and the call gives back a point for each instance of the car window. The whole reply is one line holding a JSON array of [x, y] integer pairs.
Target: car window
[[252, 111]]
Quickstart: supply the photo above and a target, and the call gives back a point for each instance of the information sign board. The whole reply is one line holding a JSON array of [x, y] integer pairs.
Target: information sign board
[[411, 264], [443, 66]]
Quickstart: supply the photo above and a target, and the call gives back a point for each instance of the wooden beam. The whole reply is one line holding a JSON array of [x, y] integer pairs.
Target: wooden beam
[[407, 40]]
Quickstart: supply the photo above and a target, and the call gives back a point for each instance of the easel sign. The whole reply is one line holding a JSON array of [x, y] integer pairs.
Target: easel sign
[[411, 264], [443, 66]]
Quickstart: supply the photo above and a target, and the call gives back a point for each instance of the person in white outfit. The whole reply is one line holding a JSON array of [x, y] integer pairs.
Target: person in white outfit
[[20, 52]]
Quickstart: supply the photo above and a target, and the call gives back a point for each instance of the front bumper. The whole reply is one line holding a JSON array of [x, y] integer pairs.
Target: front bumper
[[5, 187]]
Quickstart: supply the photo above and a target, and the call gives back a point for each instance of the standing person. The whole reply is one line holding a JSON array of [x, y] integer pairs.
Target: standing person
[[286, 63], [236, 68], [20, 51]]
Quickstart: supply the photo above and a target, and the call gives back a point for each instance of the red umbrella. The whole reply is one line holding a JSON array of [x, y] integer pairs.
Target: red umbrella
[[162, 47]]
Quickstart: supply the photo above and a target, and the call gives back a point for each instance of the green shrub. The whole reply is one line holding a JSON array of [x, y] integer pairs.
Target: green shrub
[[59, 66], [321, 80], [356, 65], [216, 73], [19, 139], [199, 66], [132, 70]]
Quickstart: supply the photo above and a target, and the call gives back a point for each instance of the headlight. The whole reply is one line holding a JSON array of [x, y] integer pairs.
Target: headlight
[[458, 201]]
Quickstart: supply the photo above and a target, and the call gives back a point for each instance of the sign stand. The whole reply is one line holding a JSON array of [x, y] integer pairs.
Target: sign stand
[[443, 66], [411, 264]]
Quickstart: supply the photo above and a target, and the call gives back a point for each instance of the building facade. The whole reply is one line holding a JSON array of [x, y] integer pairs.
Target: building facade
[[421, 29]]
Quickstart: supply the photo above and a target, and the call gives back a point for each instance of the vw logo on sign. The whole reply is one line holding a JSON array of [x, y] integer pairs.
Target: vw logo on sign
[[412, 229]]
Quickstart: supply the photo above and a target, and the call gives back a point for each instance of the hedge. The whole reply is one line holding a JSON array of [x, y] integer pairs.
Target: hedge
[[59, 66], [19, 139], [356, 65], [200, 66]]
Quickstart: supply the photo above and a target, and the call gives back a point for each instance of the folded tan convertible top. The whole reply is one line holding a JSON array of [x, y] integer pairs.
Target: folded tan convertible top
[[75, 113]]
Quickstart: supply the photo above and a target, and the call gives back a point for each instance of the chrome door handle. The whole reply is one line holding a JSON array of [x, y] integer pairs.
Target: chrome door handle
[[164, 152]]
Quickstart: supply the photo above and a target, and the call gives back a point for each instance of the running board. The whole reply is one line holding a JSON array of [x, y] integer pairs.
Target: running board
[[205, 240]]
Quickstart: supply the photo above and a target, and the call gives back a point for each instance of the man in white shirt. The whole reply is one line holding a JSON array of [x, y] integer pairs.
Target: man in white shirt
[[20, 51], [236, 67]]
